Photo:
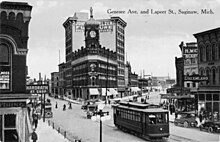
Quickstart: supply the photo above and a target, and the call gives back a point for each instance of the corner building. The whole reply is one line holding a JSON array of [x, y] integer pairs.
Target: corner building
[[209, 65], [14, 121], [112, 35], [94, 68]]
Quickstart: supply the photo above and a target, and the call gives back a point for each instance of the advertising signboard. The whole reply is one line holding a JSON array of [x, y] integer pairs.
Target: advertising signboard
[[38, 89], [190, 55], [196, 78]]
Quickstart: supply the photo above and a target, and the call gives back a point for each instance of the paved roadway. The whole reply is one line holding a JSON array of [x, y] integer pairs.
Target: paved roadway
[[74, 121]]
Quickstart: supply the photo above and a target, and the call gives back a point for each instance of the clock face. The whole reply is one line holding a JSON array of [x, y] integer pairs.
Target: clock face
[[92, 34]]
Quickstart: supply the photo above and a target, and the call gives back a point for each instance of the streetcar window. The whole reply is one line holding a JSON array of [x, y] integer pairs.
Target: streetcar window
[[152, 119], [159, 118]]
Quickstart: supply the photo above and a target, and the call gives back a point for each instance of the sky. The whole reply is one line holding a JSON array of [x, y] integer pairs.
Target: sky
[[151, 40]]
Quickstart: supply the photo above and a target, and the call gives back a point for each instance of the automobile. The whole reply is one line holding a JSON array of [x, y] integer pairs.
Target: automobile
[[186, 119], [91, 110], [116, 100], [211, 126], [48, 111], [86, 103]]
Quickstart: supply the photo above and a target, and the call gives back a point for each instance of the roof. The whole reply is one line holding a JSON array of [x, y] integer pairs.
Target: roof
[[147, 110]]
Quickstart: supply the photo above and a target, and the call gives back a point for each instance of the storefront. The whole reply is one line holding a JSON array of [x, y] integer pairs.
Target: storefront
[[15, 125], [209, 103]]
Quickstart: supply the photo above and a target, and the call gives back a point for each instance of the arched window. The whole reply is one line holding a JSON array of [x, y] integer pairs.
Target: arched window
[[213, 52], [208, 53], [4, 67], [202, 52], [4, 54], [218, 50]]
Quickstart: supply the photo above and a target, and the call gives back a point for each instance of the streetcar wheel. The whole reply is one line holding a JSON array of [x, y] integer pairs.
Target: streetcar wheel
[[210, 129], [186, 124]]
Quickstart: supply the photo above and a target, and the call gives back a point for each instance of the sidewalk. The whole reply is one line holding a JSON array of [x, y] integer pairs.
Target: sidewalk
[[47, 133]]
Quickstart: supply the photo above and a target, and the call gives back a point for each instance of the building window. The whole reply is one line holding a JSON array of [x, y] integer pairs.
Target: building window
[[4, 56], [219, 51], [202, 54], [5, 68], [219, 76], [201, 97], [213, 52], [208, 53], [213, 77], [188, 84], [194, 84], [208, 75], [215, 97], [208, 97]]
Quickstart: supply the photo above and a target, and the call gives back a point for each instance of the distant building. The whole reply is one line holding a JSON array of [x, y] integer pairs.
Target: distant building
[[55, 84], [14, 119], [61, 80], [209, 66], [131, 80]]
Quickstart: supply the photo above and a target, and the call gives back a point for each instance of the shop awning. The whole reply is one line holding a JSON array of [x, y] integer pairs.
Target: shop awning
[[104, 92], [135, 89], [113, 91], [93, 91]]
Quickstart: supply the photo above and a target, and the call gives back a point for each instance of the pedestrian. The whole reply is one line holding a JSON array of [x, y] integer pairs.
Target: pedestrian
[[200, 117], [64, 107], [70, 105], [56, 106], [34, 136], [35, 120], [176, 113]]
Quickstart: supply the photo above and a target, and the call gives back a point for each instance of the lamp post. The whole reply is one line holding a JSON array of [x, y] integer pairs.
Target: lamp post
[[100, 115]]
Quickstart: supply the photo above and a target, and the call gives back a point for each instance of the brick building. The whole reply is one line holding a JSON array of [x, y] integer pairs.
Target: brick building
[[209, 66], [111, 35], [94, 68], [14, 122]]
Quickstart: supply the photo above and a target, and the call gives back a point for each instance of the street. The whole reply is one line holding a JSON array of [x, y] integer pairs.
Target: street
[[76, 124]]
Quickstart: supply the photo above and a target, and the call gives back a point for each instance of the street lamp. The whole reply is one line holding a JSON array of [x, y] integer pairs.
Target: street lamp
[[100, 116]]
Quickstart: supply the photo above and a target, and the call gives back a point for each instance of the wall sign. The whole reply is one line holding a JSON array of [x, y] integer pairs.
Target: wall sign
[[12, 104], [4, 80], [38, 89], [195, 78]]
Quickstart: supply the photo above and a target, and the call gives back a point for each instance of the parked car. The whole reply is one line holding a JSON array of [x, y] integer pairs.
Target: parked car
[[91, 109], [211, 126], [186, 119]]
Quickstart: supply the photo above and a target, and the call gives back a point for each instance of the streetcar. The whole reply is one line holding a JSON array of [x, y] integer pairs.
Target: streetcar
[[147, 121]]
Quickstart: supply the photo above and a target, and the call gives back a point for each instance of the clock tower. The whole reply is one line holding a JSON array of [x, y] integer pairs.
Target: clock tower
[[92, 31]]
